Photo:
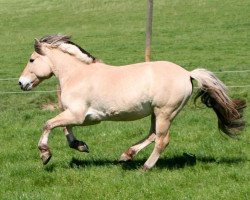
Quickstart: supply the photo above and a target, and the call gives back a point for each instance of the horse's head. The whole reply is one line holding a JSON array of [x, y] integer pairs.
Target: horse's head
[[38, 68]]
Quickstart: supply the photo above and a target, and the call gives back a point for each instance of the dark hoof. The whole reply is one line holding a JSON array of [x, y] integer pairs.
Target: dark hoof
[[46, 157], [83, 147], [45, 154], [80, 146]]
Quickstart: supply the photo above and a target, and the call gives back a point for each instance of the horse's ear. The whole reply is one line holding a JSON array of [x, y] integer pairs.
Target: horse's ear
[[38, 47]]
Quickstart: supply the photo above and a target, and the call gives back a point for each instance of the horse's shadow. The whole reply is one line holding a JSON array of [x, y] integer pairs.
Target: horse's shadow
[[176, 162]]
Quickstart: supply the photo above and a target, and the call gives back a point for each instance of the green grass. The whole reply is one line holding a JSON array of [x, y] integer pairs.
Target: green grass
[[197, 33]]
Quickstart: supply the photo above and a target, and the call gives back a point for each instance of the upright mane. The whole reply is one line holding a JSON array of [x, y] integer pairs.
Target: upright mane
[[64, 43]]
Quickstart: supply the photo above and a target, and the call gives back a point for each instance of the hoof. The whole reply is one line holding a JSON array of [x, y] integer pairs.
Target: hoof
[[46, 156], [80, 146], [125, 157], [145, 168]]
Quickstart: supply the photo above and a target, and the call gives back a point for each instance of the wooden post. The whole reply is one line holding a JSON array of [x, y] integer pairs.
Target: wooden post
[[149, 30]]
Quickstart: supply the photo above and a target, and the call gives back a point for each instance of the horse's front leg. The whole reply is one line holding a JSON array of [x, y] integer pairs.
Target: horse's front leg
[[73, 142], [65, 118]]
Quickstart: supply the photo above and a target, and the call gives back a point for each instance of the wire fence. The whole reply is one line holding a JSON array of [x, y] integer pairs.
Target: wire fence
[[235, 71], [52, 91]]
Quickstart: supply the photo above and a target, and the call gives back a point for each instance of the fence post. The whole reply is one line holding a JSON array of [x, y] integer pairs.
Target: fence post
[[149, 30]]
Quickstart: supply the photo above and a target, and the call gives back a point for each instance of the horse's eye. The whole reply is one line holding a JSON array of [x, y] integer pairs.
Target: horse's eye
[[32, 60]]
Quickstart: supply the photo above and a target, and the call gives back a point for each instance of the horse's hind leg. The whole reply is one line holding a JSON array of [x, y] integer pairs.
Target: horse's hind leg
[[133, 150], [73, 142], [164, 116], [161, 141]]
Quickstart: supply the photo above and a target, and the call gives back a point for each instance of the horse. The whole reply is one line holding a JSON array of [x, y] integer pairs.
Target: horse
[[92, 91]]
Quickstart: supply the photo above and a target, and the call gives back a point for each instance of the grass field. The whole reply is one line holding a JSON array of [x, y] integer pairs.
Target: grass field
[[197, 33]]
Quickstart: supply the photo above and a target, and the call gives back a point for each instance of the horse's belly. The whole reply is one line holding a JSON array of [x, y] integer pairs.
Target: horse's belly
[[118, 114], [129, 115]]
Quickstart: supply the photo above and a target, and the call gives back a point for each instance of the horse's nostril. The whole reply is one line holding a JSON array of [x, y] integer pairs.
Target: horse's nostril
[[19, 83]]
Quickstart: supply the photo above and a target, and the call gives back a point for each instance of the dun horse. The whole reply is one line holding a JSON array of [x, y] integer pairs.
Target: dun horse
[[92, 92]]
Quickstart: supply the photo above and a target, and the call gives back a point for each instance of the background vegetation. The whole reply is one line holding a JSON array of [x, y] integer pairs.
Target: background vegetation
[[197, 33]]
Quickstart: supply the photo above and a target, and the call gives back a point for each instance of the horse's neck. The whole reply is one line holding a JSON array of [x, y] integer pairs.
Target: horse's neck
[[65, 66]]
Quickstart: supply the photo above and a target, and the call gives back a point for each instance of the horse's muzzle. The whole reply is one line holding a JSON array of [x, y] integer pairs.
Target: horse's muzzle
[[25, 83], [25, 87]]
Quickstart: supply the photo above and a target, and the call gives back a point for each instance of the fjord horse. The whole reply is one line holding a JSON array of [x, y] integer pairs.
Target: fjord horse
[[92, 92]]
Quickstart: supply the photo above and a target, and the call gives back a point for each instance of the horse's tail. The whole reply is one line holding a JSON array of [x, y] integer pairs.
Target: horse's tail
[[214, 95]]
